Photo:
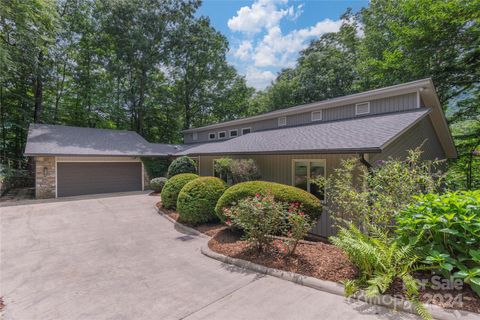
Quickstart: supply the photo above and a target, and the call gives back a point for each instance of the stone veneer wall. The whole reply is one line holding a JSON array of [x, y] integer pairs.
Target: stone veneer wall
[[44, 185]]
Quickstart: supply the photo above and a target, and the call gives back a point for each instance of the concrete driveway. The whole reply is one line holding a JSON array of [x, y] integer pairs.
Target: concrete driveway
[[116, 258]]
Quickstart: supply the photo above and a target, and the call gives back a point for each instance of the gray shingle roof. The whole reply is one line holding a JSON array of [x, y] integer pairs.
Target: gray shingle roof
[[75, 141], [370, 133]]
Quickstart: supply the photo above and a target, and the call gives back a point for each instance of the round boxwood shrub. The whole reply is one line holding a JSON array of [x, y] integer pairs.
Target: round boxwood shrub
[[157, 184], [197, 199], [172, 189], [181, 165], [281, 192]]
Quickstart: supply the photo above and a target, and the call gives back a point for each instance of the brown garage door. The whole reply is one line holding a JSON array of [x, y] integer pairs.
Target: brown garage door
[[77, 178]]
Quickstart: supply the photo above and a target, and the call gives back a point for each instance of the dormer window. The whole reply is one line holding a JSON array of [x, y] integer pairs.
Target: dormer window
[[317, 115], [195, 136], [362, 108], [282, 121], [212, 136], [222, 135], [233, 133]]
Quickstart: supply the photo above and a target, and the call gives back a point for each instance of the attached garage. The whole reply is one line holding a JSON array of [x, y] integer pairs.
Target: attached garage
[[80, 178], [73, 161]]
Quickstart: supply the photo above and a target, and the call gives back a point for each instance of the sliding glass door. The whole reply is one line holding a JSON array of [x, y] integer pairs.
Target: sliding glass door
[[306, 170]]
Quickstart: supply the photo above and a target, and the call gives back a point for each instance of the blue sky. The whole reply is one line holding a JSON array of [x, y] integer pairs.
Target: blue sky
[[267, 35]]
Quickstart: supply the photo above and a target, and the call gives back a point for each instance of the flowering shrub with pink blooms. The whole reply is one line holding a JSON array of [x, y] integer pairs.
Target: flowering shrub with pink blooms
[[262, 218], [259, 217]]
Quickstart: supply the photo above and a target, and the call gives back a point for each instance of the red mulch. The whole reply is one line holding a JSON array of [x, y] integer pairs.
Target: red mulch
[[155, 194], [314, 259], [2, 305], [463, 299], [320, 260]]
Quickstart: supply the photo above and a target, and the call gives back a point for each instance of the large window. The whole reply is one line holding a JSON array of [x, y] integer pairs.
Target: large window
[[303, 171]]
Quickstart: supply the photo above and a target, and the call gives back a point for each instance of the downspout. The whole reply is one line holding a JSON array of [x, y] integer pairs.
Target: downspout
[[361, 158]]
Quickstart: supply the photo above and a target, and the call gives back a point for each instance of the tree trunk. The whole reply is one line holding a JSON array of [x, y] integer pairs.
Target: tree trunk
[[187, 106], [4, 133], [38, 90], [141, 101], [59, 92]]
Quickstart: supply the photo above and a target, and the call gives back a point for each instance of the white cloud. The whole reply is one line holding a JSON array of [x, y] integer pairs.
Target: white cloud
[[278, 50], [261, 14], [259, 79], [262, 46], [243, 51]]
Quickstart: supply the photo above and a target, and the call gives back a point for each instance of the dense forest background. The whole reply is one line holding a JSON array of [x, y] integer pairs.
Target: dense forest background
[[155, 67]]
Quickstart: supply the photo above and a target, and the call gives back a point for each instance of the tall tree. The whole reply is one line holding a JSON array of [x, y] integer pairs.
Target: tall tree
[[206, 87], [140, 32], [325, 69]]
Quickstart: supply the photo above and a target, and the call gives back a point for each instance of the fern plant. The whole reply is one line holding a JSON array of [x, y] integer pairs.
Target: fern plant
[[380, 261]]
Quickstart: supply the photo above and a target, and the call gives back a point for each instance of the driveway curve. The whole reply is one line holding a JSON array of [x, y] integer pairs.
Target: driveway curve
[[117, 258]]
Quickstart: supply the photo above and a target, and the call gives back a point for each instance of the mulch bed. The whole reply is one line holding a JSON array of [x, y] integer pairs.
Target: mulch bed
[[314, 259], [2, 305], [463, 299], [323, 261], [210, 229]]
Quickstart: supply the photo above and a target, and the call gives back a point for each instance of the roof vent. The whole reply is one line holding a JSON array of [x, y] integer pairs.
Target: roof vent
[[362, 108], [282, 121]]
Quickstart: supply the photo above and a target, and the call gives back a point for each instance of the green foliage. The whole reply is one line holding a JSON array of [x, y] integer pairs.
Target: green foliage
[[157, 184], [181, 165], [281, 192], [463, 172], [203, 78], [326, 69], [156, 167], [374, 198], [172, 188], [298, 226], [380, 260], [234, 171], [401, 41], [450, 229], [197, 199], [260, 217], [104, 64]]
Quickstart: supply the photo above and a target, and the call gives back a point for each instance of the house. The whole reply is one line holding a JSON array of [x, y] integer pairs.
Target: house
[[289, 145]]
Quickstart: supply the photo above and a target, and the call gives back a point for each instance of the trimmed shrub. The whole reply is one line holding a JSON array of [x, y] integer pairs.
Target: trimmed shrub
[[234, 171], [181, 165], [156, 167], [157, 184], [281, 192], [197, 199], [172, 189]]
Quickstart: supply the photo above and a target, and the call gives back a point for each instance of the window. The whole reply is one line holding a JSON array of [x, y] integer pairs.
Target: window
[[222, 135], [212, 136], [303, 171], [282, 121], [195, 136], [233, 133], [317, 115], [362, 108], [246, 130]]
